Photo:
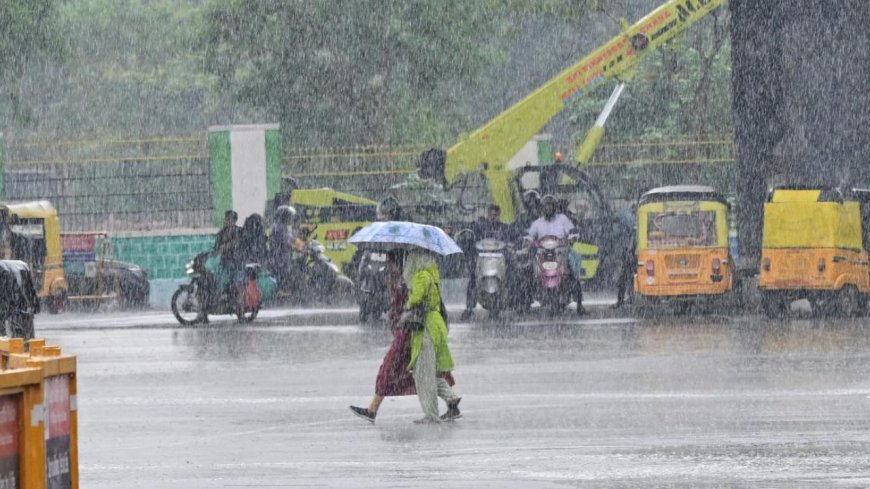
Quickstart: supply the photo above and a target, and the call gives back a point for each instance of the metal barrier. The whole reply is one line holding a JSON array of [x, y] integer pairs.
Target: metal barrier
[[116, 185], [38, 416]]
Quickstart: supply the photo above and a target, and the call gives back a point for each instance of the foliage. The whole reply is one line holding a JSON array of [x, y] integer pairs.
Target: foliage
[[350, 72], [683, 93], [28, 31], [133, 68]]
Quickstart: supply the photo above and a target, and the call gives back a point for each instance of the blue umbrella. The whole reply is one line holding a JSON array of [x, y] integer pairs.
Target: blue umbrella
[[401, 234]]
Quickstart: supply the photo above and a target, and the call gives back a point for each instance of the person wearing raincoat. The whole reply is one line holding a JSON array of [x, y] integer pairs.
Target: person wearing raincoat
[[429, 351]]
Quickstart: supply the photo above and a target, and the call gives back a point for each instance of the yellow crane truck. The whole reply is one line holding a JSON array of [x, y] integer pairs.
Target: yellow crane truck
[[477, 167]]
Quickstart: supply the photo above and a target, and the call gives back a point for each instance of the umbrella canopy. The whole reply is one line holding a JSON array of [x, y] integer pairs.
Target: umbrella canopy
[[401, 234]]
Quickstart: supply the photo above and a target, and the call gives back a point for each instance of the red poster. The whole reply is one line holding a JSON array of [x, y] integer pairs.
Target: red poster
[[57, 456], [9, 445], [81, 242]]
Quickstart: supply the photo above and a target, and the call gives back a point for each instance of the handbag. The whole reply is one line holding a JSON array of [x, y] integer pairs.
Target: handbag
[[412, 319]]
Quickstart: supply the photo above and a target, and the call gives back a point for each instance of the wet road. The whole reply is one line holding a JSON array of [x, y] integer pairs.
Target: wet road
[[602, 402]]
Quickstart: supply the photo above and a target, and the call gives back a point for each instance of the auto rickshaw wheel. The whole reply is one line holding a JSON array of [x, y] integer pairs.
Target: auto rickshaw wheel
[[56, 302], [848, 302]]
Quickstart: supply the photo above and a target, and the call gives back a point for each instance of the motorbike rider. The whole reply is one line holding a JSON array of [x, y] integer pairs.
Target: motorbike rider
[[254, 249], [486, 227], [7, 237], [553, 223], [228, 246], [281, 245], [531, 211]]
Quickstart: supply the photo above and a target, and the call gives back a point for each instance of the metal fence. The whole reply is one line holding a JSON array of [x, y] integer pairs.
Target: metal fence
[[625, 168], [164, 183], [115, 185]]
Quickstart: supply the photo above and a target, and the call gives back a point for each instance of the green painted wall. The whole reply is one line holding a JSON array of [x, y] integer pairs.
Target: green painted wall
[[221, 174], [162, 256]]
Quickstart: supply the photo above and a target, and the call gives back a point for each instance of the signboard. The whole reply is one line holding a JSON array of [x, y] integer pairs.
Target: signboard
[[57, 435], [78, 247], [9, 441]]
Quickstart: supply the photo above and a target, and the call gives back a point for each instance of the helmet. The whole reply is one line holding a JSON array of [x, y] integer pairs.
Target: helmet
[[549, 198], [389, 209], [531, 196], [285, 213]]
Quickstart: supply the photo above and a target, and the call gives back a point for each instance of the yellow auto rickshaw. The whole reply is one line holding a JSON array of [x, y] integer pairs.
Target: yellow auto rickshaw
[[682, 244], [814, 247], [37, 222]]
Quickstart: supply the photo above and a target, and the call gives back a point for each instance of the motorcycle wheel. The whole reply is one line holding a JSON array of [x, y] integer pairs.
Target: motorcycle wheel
[[186, 306], [363, 312], [553, 300]]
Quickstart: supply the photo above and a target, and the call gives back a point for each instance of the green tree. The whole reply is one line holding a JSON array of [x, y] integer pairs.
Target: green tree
[[350, 72], [682, 93], [28, 32]]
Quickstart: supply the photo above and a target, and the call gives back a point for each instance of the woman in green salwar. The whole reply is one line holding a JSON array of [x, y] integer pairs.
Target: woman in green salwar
[[429, 351]]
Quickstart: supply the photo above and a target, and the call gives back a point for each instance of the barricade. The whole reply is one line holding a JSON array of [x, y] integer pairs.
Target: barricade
[[38, 416]]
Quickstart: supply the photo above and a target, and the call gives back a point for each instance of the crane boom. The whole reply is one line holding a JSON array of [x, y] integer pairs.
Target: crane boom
[[496, 142]]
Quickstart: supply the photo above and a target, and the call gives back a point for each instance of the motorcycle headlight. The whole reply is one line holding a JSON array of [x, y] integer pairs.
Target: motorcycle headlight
[[489, 245], [549, 244]]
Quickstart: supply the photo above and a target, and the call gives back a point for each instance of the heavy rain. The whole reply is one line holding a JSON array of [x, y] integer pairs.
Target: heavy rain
[[496, 243]]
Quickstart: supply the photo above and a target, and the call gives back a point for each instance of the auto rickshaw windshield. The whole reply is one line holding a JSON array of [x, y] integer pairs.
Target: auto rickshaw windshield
[[663, 225]]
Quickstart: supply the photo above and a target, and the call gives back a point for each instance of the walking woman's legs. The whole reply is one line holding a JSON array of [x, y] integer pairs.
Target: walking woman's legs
[[425, 379], [445, 391], [376, 403]]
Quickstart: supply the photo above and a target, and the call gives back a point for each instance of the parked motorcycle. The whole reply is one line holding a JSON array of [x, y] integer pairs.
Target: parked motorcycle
[[490, 274], [371, 285], [552, 275], [323, 279], [193, 302]]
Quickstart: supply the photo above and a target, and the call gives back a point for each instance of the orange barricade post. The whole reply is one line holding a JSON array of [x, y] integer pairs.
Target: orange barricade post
[[20, 424], [49, 422]]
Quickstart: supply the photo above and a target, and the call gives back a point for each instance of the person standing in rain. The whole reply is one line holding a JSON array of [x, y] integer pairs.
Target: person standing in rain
[[628, 261], [394, 378], [429, 351]]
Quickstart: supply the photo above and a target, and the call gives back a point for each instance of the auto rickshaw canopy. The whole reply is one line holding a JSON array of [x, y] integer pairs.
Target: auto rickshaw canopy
[[811, 218]]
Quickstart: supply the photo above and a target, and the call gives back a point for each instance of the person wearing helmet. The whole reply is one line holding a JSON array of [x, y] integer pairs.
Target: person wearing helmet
[[6, 236], [531, 211], [554, 223], [281, 240]]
